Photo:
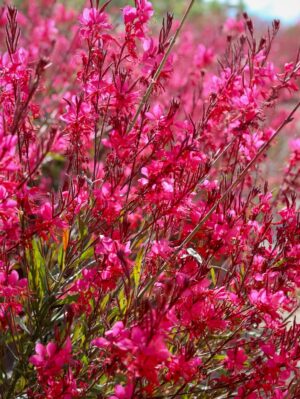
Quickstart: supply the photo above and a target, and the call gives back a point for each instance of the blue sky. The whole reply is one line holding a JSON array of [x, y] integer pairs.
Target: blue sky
[[288, 11]]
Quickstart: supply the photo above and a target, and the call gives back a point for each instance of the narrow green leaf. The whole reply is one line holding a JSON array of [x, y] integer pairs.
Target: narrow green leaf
[[213, 276], [137, 267]]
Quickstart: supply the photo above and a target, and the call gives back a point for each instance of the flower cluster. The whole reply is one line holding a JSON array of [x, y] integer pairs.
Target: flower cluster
[[149, 245]]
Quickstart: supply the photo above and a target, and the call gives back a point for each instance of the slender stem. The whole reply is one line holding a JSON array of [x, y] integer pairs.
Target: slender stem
[[235, 183], [237, 180], [160, 68]]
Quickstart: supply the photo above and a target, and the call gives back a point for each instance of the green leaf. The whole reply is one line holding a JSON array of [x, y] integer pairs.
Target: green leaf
[[280, 263], [137, 267], [87, 254], [114, 312], [104, 302], [79, 333], [82, 227], [61, 258], [54, 156], [37, 275], [242, 270], [122, 301], [219, 357], [68, 299], [21, 384], [213, 276]]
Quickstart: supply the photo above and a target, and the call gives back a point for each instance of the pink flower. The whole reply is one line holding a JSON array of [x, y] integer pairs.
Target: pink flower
[[234, 26], [161, 249], [144, 10], [93, 22], [46, 211], [129, 14], [181, 367], [50, 359], [204, 56], [122, 392], [235, 359], [267, 302], [295, 145], [136, 18]]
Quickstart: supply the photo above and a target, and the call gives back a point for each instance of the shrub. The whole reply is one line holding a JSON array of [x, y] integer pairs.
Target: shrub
[[143, 254]]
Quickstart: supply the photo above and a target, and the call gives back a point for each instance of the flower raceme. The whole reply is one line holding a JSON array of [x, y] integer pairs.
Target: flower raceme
[[150, 243]]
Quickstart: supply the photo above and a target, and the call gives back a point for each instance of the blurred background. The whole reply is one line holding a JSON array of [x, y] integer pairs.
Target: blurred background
[[207, 20], [288, 11], [216, 11]]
